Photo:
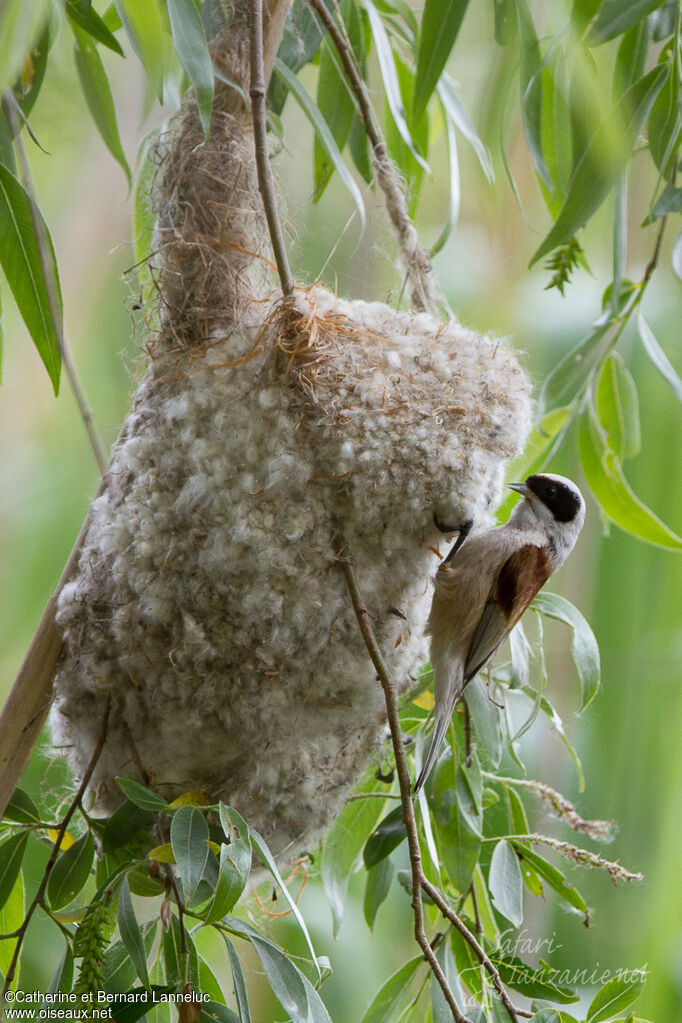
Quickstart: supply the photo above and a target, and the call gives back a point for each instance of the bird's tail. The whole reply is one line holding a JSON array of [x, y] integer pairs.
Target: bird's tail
[[445, 706]]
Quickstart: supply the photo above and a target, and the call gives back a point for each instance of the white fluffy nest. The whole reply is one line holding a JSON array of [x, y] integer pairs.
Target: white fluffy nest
[[207, 603]]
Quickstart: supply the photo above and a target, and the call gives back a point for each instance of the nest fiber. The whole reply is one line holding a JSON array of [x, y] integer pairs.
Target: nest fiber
[[207, 606]]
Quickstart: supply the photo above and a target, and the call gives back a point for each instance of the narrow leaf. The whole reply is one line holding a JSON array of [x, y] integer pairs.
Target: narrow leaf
[[615, 996], [11, 856], [386, 837], [189, 838], [441, 22], [21, 24], [554, 878], [384, 1002], [287, 982], [608, 484], [71, 871], [531, 89], [618, 407], [22, 809], [312, 112], [584, 647], [130, 932], [377, 887], [97, 91], [149, 32], [616, 17], [11, 919], [189, 37], [141, 796], [602, 162], [572, 371], [389, 75], [458, 114], [532, 983], [91, 23], [658, 356], [21, 262], [504, 882], [231, 883], [261, 848], [239, 983]]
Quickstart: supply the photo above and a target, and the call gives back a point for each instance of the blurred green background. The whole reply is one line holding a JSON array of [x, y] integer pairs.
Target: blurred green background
[[630, 739]]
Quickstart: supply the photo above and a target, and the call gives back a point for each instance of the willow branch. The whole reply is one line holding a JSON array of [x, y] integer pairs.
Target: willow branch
[[266, 184], [390, 696], [417, 263], [61, 831], [51, 284]]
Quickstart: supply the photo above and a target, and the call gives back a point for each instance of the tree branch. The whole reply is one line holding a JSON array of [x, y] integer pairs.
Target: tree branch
[[417, 263], [390, 696], [265, 181]]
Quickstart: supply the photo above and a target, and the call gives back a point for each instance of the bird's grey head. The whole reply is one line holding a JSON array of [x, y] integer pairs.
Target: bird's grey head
[[556, 504]]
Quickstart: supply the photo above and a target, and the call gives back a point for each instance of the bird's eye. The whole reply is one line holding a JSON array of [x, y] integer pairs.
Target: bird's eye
[[550, 491]]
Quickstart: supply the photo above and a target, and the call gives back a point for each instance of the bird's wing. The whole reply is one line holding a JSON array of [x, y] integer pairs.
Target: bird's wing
[[519, 579]]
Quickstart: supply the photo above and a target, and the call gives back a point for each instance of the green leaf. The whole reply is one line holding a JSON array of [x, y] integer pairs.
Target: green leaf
[[602, 162], [557, 724], [312, 112], [615, 996], [141, 796], [147, 28], [266, 856], [61, 982], [177, 972], [11, 919], [189, 37], [401, 154], [584, 646], [658, 356], [217, 1012], [334, 95], [441, 22], [458, 114], [386, 837], [11, 856], [138, 1004], [618, 407], [531, 81], [669, 201], [21, 24], [384, 1002], [677, 256], [547, 1016], [130, 932], [665, 126], [485, 717], [616, 17], [71, 872], [342, 847], [294, 992], [457, 825], [378, 885], [238, 983], [21, 262], [389, 76], [95, 85], [189, 838], [22, 809], [631, 59], [91, 23], [554, 878], [358, 145], [606, 480], [27, 88], [504, 882], [571, 373], [532, 983], [231, 884]]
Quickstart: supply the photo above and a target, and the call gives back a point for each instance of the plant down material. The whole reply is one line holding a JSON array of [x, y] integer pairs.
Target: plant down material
[[207, 603]]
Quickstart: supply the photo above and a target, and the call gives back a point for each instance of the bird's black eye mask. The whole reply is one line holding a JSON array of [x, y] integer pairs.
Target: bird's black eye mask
[[562, 501]]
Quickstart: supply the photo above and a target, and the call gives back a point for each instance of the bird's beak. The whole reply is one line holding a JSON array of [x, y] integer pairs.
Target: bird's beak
[[520, 488]]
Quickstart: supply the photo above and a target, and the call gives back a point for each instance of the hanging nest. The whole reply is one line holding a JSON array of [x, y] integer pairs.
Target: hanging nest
[[207, 606]]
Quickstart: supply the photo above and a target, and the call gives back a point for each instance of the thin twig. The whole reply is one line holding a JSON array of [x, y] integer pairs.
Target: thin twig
[[50, 283], [265, 182], [388, 686], [21, 933], [417, 263], [436, 896]]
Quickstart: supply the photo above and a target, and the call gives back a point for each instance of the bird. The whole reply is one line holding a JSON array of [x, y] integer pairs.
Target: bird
[[485, 584]]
